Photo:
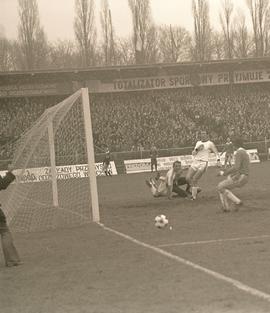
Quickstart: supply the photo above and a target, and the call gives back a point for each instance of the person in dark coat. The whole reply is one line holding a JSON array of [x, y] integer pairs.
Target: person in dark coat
[[11, 255]]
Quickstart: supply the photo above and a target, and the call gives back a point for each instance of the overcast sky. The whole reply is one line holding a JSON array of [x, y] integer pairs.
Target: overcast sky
[[57, 16]]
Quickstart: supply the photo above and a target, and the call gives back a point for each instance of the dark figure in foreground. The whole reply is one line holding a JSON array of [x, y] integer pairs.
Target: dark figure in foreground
[[10, 253]]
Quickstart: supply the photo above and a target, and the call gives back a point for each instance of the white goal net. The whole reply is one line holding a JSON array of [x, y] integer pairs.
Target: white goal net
[[55, 171]]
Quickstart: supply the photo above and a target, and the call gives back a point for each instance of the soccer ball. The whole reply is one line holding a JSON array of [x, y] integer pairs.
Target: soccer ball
[[161, 221]]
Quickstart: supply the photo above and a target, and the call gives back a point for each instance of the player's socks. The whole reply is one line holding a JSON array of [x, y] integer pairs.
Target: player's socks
[[194, 191], [224, 202], [154, 190], [232, 197], [153, 182]]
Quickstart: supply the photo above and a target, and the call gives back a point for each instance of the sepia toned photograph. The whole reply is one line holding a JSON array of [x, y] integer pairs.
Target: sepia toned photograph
[[135, 156]]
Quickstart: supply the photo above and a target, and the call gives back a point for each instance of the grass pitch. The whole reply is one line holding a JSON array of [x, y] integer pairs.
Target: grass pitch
[[89, 269]]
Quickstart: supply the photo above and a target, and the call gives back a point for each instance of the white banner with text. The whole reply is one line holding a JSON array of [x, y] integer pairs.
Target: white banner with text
[[144, 165], [63, 172]]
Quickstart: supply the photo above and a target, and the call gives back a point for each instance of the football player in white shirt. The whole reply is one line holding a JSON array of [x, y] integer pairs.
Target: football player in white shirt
[[201, 153]]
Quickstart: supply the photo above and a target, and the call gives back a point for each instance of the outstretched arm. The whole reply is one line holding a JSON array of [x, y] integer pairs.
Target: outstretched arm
[[7, 179]]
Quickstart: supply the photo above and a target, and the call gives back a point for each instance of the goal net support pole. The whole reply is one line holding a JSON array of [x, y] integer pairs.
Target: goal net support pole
[[90, 155], [53, 163]]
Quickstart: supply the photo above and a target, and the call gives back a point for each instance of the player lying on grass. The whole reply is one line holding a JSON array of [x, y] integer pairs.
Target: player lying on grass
[[201, 154], [237, 177], [170, 183]]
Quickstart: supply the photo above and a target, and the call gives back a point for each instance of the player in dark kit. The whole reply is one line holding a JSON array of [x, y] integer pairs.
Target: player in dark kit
[[229, 150], [10, 253], [153, 156], [106, 162], [237, 177]]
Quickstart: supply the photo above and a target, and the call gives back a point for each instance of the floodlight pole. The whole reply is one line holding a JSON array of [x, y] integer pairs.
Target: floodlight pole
[[90, 154]]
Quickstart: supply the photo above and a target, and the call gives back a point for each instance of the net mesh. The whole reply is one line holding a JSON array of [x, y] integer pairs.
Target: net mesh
[[45, 196]]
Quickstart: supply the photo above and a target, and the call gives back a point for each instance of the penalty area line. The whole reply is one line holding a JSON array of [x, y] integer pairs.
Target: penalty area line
[[237, 284], [187, 243]]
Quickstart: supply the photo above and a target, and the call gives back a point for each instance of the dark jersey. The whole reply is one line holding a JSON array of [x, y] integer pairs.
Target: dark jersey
[[241, 165], [153, 153], [228, 148], [4, 183], [107, 159], [6, 180]]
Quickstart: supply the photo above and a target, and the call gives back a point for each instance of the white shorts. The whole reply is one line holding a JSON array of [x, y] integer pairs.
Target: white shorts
[[162, 189], [197, 165]]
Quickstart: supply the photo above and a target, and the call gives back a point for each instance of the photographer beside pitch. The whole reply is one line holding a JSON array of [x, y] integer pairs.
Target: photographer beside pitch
[[10, 253], [237, 176]]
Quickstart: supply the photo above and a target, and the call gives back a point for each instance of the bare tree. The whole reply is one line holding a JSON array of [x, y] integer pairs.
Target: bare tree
[[85, 30], [267, 35], [174, 43], [142, 23], [217, 46], [242, 45], [201, 50], [151, 54], [32, 39], [108, 45], [226, 24], [259, 11], [124, 52], [5, 55], [63, 55]]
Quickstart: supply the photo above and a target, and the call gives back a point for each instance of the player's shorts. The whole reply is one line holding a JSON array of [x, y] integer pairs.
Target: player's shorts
[[153, 161], [162, 189], [198, 165], [232, 182]]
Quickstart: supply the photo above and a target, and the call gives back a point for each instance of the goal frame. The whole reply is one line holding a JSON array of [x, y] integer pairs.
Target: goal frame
[[90, 157]]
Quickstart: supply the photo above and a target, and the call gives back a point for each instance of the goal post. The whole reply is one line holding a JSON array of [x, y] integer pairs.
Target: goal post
[[90, 154], [54, 164]]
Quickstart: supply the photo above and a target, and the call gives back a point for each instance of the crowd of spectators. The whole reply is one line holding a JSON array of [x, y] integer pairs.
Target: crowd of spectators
[[168, 118], [173, 118]]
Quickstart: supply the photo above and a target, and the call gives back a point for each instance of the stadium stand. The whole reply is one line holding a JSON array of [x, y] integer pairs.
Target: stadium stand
[[169, 118]]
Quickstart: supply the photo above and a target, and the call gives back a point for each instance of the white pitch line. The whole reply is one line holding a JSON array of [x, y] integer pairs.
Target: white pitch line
[[237, 284], [187, 243]]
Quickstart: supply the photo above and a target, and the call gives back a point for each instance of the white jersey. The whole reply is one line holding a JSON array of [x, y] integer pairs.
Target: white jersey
[[170, 177], [204, 150], [165, 182]]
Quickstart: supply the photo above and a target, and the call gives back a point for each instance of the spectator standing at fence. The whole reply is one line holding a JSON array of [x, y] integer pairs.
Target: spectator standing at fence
[[106, 162], [11, 255], [153, 156]]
